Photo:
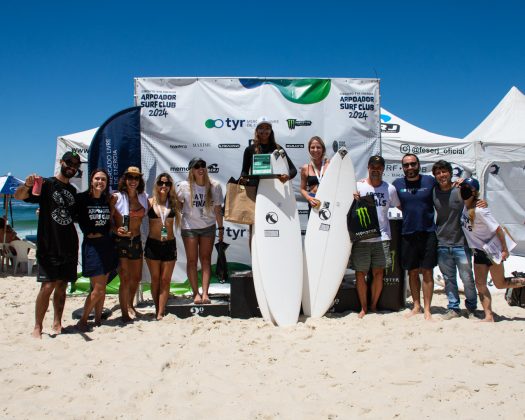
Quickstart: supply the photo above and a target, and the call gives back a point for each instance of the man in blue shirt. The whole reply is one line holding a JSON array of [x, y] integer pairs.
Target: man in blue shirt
[[418, 234]]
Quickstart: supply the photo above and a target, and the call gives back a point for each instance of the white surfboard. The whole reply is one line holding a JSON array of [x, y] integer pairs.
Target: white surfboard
[[257, 283], [277, 240], [327, 242]]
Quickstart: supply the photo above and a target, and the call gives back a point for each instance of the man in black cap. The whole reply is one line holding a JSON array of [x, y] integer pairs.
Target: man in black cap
[[57, 240], [374, 253]]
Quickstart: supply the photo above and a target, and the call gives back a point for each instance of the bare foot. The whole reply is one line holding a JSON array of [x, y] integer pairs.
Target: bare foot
[[159, 317], [486, 319], [197, 300], [206, 300], [57, 328], [98, 322], [126, 318], [428, 316], [37, 333], [413, 312], [82, 326], [361, 314]]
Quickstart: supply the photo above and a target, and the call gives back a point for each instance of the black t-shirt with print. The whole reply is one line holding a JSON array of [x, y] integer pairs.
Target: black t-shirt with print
[[93, 214], [57, 240]]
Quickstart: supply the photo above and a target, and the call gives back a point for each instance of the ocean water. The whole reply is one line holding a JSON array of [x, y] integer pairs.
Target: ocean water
[[24, 219]]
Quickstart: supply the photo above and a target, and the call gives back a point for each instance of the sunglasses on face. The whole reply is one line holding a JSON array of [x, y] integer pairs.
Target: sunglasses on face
[[199, 166], [410, 165], [72, 164], [166, 183], [133, 178]]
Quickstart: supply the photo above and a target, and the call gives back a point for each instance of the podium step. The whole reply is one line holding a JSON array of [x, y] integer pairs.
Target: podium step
[[184, 307]]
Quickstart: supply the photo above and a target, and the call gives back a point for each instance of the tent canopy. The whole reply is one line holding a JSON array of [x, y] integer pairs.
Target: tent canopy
[[500, 163], [505, 123], [399, 137]]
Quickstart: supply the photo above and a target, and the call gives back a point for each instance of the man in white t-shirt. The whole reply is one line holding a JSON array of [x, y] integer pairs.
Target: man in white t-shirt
[[374, 253]]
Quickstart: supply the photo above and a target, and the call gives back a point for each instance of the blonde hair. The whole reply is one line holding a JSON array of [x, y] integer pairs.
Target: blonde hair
[[173, 203], [207, 185], [472, 210], [320, 141]]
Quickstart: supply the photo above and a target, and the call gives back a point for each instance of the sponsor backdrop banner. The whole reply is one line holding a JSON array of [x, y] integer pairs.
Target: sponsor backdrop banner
[[215, 118]]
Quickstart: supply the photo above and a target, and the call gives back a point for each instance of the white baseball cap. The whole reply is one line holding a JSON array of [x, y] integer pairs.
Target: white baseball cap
[[263, 120]]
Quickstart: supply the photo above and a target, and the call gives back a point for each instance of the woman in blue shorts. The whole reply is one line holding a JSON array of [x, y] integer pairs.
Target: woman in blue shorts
[[99, 256], [161, 249], [201, 212]]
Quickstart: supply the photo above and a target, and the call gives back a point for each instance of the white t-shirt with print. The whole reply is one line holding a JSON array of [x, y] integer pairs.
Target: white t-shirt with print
[[482, 230], [194, 212], [385, 197]]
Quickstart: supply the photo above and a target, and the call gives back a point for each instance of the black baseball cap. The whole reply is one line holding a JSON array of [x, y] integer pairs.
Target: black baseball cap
[[71, 155], [194, 161], [376, 159]]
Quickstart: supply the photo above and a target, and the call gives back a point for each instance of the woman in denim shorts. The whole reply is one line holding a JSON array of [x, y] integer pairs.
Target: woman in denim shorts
[[201, 198]]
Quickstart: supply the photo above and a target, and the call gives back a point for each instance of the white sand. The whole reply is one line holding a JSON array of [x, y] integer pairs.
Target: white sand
[[384, 366]]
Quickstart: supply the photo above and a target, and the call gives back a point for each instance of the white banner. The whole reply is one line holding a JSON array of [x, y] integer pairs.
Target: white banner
[[214, 118], [461, 156]]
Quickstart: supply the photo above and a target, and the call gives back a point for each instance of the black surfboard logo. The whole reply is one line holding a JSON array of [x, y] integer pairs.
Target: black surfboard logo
[[272, 218]]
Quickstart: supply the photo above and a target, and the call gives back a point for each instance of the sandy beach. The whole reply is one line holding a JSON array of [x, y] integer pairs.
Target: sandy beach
[[384, 366]]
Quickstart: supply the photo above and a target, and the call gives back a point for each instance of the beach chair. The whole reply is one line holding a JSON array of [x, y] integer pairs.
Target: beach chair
[[22, 255], [4, 249]]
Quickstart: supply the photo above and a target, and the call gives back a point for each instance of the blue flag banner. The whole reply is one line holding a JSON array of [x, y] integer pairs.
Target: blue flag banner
[[116, 145]]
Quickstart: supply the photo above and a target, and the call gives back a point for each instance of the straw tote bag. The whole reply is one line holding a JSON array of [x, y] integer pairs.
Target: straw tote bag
[[240, 203]]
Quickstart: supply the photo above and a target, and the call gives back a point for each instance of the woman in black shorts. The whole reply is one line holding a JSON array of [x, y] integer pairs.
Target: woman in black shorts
[[312, 173], [128, 207], [161, 250], [99, 256], [484, 234]]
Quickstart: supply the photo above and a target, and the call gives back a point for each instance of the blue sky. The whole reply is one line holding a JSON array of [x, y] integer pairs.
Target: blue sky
[[67, 66]]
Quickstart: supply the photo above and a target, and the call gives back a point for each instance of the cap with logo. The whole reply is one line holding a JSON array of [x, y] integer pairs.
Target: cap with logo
[[263, 120], [376, 159], [194, 161], [71, 155], [471, 182]]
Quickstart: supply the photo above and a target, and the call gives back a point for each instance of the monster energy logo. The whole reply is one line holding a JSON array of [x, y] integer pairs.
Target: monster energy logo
[[292, 123], [364, 217]]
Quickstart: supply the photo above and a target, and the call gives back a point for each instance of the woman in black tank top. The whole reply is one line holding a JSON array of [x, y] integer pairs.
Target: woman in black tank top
[[312, 173], [161, 250]]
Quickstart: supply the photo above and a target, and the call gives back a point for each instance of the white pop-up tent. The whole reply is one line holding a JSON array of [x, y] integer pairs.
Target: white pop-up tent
[[399, 137], [500, 166], [79, 143]]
